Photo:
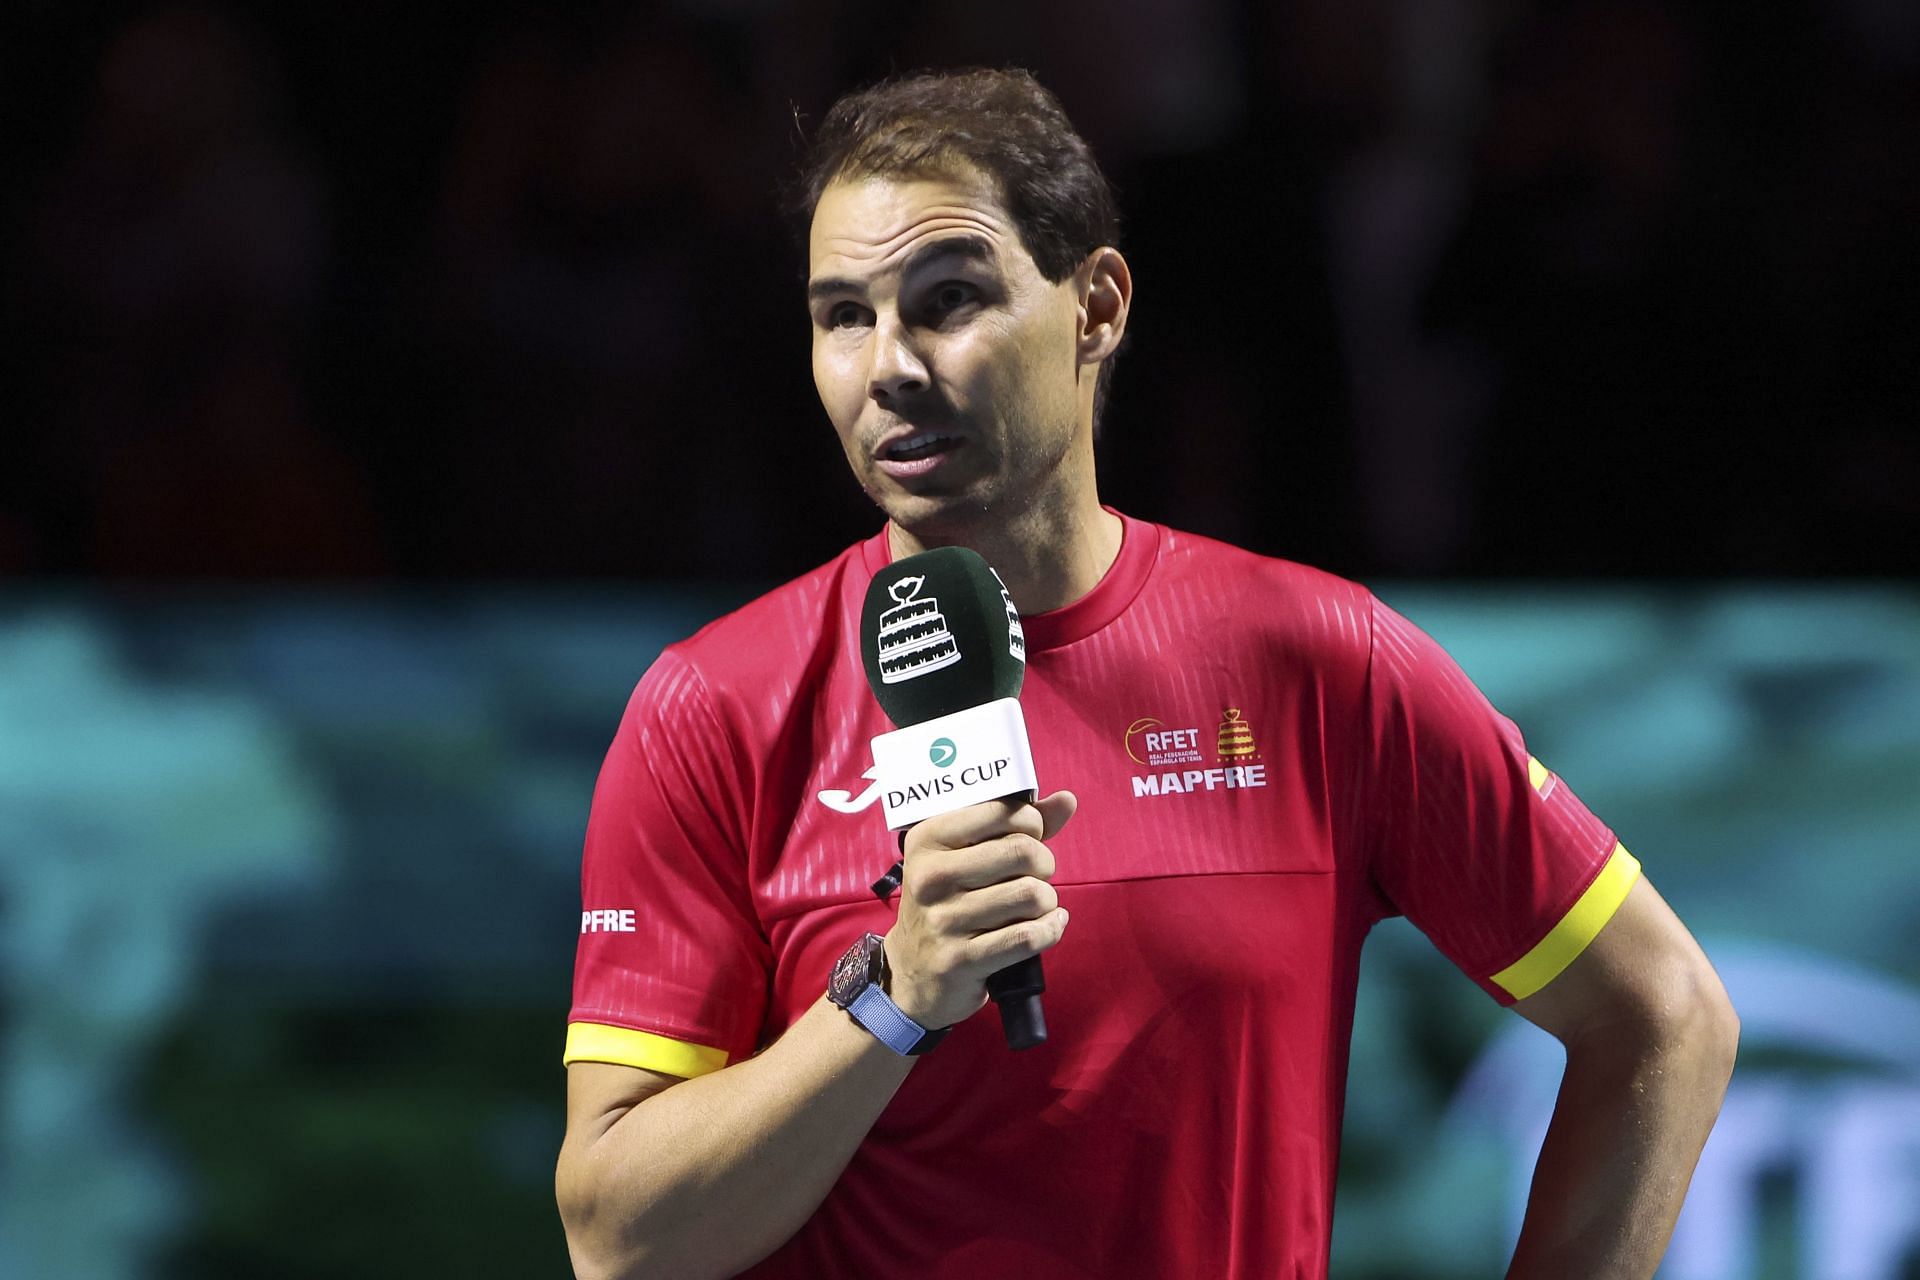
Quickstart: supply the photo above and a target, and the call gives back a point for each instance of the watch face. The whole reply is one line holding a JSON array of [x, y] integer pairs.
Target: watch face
[[853, 971]]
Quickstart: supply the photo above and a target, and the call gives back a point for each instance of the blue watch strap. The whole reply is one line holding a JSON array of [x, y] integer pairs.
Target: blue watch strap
[[875, 1011]]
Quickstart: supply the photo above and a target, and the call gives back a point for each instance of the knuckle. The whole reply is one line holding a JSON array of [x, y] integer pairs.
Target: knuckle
[[1044, 895], [1029, 855], [999, 947], [975, 955], [1016, 899], [1022, 895], [1043, 862], [1027, 849], [926, 883]]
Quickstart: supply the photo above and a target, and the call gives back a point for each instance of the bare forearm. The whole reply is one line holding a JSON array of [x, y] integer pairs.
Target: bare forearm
[[708, 1177], [1633, 1113]]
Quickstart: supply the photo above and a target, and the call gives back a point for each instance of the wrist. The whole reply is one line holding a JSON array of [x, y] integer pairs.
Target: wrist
[[859, 986], [905, 994]]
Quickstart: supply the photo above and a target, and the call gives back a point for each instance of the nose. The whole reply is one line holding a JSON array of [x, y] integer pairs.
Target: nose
[[898, 370]]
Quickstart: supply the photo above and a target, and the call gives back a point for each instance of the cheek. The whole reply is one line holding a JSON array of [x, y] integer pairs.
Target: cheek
[[989, 367], [839, 391], [823, 377], [1046, 370]]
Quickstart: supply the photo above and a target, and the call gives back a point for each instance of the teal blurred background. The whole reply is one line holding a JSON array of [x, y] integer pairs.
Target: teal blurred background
[[288, 883]]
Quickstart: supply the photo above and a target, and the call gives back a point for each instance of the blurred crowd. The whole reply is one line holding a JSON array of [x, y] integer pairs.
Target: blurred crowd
[[1604, 287]]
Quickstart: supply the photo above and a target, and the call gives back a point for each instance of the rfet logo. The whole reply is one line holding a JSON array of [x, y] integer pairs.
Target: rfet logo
[[1150, 741]]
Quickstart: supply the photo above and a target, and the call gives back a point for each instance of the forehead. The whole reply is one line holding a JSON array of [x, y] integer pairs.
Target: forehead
[[870, 225]]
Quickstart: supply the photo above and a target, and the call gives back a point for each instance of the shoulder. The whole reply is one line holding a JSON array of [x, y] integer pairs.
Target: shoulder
[[1304, 607], [768, 647], [1184, 552]]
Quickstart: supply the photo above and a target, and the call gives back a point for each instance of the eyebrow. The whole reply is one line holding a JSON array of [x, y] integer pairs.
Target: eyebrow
[[967, 248]]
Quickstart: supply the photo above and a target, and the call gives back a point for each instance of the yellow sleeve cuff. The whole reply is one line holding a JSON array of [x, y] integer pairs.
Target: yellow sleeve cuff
[[622, 1046], [1576, 929]]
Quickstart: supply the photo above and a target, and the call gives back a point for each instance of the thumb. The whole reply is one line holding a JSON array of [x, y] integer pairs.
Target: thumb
[[1054, 812]]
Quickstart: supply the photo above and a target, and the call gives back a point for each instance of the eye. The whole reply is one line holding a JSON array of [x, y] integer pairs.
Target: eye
[[952, 294], [842, 314]]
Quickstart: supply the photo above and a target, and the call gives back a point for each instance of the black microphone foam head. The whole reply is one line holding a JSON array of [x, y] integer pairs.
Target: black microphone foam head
[[939, 634]]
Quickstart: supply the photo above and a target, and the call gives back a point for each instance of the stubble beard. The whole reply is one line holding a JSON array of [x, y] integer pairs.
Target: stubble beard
[[1026, 487]]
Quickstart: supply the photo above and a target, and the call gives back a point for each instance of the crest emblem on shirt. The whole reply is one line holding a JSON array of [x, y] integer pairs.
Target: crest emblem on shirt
[[1234, 740]]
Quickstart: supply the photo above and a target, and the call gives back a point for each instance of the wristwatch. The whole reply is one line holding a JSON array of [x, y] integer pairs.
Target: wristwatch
[[859, 986]]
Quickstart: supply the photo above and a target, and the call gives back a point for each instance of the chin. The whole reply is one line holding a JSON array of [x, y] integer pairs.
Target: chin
[[936, 517]]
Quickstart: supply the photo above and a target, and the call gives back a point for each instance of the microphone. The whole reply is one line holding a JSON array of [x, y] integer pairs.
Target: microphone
[[945, 656]]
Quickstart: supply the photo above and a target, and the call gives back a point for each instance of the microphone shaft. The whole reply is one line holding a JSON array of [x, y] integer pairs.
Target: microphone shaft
[[1016, 989]]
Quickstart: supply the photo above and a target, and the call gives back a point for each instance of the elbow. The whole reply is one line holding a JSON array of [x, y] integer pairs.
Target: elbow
[[1702, 1027], [587, 1267], [591, 1265], [597, 1257], [1679, 1016], [596, 1245], [616, 1241], [1723, 1033], [577, 1215], [630, 1263]]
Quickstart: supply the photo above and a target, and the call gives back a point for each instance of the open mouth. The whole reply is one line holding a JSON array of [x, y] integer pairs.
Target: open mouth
[[922, 444]]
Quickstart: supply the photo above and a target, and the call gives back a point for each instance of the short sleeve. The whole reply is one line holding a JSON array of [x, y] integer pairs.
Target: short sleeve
[[1481, 846], [672, 970]]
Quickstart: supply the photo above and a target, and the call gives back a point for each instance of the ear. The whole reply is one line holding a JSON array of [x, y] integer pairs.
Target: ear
[[1105, 296]]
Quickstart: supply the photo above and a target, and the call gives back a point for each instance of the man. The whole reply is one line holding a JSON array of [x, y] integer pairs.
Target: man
[[1265, 761]]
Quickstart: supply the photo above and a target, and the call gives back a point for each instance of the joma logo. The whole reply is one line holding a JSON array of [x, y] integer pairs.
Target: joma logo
[[846, 802]]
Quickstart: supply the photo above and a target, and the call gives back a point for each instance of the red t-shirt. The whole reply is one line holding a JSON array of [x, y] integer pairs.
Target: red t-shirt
[[1268, 760]]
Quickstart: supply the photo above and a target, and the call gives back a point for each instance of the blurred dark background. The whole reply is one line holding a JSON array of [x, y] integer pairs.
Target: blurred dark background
[[1460, 288], [386, 384]]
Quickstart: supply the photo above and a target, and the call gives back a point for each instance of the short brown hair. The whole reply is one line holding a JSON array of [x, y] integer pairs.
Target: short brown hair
[[1006, 125]]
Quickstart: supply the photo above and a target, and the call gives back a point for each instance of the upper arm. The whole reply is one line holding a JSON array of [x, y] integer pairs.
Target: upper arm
[[1642, 975], [671, 950], [1464, 832], [599, 1093]]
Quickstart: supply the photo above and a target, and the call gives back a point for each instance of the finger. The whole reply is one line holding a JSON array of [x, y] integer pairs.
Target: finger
[[999, 905], [1054, 812], [933, 875], [976, 824], [994, 951]]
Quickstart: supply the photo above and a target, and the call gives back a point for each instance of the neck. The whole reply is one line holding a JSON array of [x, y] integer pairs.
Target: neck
[[1048, 559]]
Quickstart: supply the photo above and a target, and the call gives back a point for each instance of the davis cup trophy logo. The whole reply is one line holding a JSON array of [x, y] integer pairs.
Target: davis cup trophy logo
[[914, 639]]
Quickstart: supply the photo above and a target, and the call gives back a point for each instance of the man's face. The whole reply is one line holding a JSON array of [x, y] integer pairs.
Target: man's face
[[947, 363]]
